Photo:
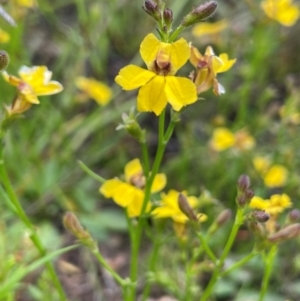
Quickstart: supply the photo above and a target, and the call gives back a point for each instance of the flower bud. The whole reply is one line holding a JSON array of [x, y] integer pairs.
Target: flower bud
[[249, 194], [224, 217], [257, 229], [4, 60], [72, 224], [132, 126], [243, 183], [293, 216], [200, 13], [152, 9], [260, 216], [289, 232], [185, 207], [168, 17]]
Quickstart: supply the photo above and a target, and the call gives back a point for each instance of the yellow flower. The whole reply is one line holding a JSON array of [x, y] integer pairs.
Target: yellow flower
[[276, 176], [202, 29], [282, 11], [207, 67], [261, 164], [26, 3], [158, 85], [94, 89], [170, 208], [223, 139], [4, 36], [275, 205], [129, 193], [33, 82]]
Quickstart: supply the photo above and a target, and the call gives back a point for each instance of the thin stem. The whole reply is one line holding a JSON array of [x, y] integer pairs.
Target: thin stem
[[123, 283], [268, 270], [176, 32], [237, 223], [90, 172], [238, 264], [145, 159], [207, 249], [33, 234], [138, 230]]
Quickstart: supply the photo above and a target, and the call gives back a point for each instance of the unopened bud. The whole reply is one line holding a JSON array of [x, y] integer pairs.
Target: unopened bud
[[200, 13], [72, 224], [243, 183], [152, 9], [257, 229], [249, 194], [185, 207], [4, 60], [260, 216], [168, 17], [223, 217], [241, 200], [289, 232], [293, 216]]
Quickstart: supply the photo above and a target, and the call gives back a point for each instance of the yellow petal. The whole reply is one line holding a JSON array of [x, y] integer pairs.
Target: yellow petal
[[179, 54], [132, 77], [94, 89], [135, 207], [159, 183], [226, 63], [152, 97], [195, 56], [276, 176], [180, 92], [12, 80], [222, 139], [122, 193], [4, 36], [132, 169], [259, 203], [209, 28], [149, 49], [38, 78]]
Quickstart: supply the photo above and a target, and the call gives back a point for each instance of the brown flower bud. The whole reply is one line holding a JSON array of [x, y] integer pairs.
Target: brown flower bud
[[200, 13], [260, 216], [152, 9], [72, 224], [4, 60], [243, 183], [168, 17], [293, 216], [257, 229], [185, 207], [289, 232], [223, 217]]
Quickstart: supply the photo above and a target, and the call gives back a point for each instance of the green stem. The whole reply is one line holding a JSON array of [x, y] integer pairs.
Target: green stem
[[207, 249], [145, 159], [268, 269], [217, 271], [90, 172], [138, 230], [123, 283], [33, 234], [238, 264], [175, 34]]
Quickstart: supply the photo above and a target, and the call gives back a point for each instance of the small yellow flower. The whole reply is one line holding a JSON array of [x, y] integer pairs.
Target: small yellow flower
[[207, 67], [4, 36], [158, 85], [202, 29], [33, 82], [169, 207], [130, 193], [26, 3], [275, 205], [223, 139], [94, 89], [261, 164], [282, 11], [276, 176]]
